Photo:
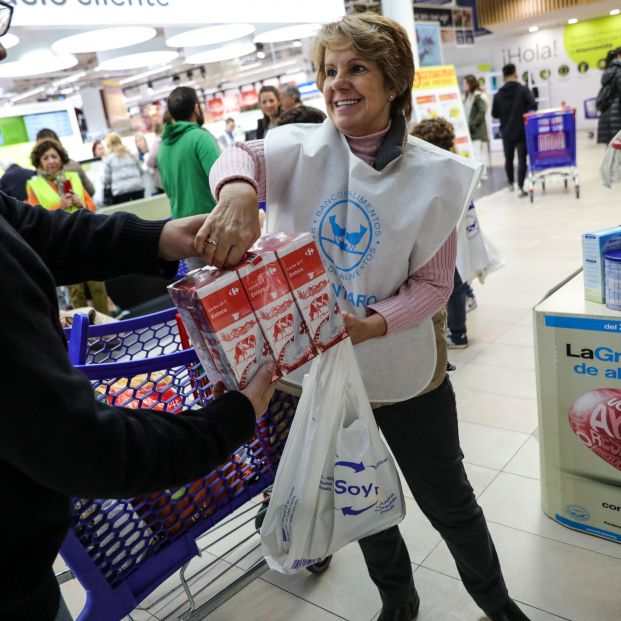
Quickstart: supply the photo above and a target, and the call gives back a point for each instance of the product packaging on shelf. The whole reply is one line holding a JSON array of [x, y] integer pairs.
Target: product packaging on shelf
[[268, 291], [311, 287], [594, 247], [218, 311]]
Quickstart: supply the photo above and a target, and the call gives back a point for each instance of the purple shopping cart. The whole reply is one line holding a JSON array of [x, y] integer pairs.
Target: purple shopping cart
[[122, 550], [551, 146]]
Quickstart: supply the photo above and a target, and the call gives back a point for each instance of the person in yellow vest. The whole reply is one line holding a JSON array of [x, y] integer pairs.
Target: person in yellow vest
[[53, 187]]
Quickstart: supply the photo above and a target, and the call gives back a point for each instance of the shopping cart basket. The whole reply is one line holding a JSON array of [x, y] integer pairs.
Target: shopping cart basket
[[551, 146], [121, 550]]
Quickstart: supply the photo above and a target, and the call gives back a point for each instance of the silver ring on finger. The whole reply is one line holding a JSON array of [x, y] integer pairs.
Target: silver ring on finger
[[213, 242]]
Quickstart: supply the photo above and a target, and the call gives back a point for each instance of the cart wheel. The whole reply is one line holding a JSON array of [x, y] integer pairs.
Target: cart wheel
[[565, 183], [531, 193], [577, 191], [258, 521], [321, 566]]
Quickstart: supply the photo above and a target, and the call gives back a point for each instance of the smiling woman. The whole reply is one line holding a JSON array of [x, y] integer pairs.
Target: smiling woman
[[382, 207]]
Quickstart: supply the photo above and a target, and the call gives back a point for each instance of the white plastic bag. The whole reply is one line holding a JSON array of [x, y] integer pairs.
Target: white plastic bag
[[336, 481]]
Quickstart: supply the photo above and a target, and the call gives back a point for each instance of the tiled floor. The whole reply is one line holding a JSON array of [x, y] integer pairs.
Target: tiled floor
[[555, 573]]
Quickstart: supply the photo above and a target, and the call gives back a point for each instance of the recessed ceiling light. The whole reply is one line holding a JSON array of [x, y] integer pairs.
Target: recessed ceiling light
[[36, 63], [136, 61], [222, 53], [210, 35], [533, 29], [104, 39], [615, 11], [9, 40], [572, 20], [287, 33], [297, 44]]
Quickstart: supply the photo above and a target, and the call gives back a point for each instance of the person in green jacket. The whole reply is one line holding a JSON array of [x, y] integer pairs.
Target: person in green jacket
[[186, 155], [475, 107]]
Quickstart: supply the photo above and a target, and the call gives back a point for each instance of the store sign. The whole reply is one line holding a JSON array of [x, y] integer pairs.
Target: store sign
[[436, 93], [63, 13]]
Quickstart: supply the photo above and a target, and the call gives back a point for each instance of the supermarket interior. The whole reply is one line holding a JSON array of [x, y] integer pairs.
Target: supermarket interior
[[528, 320]]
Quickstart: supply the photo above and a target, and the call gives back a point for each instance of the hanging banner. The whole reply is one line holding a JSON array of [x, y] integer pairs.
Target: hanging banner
[[114, 106], [429, 45], [436, 93], [65, 13]]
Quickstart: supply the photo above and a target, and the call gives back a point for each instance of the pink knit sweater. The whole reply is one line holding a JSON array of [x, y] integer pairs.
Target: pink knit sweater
[[421, 296]]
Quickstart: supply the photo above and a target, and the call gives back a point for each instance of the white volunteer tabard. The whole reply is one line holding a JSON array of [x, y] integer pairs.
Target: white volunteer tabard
[[373, 228]]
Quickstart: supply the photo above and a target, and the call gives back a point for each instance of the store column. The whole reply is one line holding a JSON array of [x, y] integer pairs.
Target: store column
[[402, 11], [93, 109]]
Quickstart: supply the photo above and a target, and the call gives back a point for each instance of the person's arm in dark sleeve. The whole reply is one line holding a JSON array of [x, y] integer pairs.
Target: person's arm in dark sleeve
[[84, 246], [54, 430], [531, 103], [495, 111], [85, 179]]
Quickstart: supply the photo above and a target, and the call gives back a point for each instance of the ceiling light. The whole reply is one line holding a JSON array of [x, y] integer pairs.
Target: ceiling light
[[104, 39], [34, 91], [9, 40], [36, 63], [533, 29], [210, 35], [135, 61], [615, 12], [144, 74], [287, 33], [72, 78], [297, 44], [261, 54], [221, 53], [572, 20]]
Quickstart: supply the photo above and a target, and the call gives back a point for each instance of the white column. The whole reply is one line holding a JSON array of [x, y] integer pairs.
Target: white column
[[94, 112], [402, 11]]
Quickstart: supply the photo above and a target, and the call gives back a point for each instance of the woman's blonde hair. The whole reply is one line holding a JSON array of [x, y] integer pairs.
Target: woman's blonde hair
[[378, 39], [115, 144]]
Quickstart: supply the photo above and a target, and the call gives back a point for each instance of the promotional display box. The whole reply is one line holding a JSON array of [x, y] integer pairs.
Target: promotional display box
[[594, 247], [578, 358]]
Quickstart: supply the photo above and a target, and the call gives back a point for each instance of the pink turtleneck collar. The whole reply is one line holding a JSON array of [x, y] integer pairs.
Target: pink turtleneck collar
[[366, 147]]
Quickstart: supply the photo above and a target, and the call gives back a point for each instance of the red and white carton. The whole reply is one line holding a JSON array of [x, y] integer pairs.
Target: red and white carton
[[230, 328], [281, 321], [310, 284], [221, 325], [183, 294]]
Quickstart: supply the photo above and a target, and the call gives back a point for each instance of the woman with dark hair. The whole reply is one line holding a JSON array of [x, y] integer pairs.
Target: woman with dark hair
[[99, 150], [475, 107], [609, 122], [269, 102], [382, 207]]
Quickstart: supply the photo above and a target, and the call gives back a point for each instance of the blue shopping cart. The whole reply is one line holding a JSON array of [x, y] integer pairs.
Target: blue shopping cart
[[121, 550], [551, 146]]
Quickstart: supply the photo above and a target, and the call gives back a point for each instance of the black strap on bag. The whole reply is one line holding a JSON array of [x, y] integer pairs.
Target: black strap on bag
[[605, 97]]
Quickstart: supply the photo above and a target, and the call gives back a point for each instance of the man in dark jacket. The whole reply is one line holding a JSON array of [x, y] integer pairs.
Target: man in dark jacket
[[13, 182], [510, 103], [56, 439], [609, 122]]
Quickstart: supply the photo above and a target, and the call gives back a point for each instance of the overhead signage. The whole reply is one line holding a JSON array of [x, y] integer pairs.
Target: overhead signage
[[67, 13]]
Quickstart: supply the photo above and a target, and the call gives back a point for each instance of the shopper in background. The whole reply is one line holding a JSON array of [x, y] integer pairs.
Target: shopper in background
[[72, 165], [609, 122], [228, 138], [142, 153], [123, 172], [510, 104], [301, 114], [158, 188], [185, 158], [14, 179], [269, 102], [365, 70], [96, 172], [290, 97], [475, 107]]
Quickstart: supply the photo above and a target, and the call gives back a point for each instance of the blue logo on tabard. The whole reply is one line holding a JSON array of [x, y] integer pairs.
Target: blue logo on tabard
[[345, 234]]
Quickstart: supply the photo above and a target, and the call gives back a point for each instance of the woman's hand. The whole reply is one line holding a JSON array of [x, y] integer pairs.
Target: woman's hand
[[67, 200], [361, 330], [231, 228]]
